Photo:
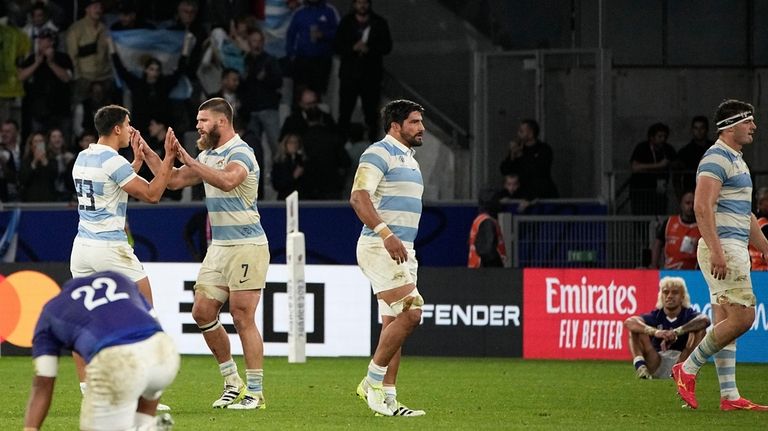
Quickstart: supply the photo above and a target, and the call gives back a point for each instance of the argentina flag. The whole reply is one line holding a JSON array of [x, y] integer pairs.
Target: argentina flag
[[133, 46]]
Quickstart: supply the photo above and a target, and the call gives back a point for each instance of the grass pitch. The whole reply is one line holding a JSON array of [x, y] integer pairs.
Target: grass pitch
[[458, 394]]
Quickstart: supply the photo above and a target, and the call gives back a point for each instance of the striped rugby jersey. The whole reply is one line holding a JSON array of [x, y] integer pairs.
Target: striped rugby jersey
[[99, 175], [391, 176], [733, 211], [234, 216]]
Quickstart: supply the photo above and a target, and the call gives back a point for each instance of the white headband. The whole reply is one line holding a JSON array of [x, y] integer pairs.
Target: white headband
[[734, 120]]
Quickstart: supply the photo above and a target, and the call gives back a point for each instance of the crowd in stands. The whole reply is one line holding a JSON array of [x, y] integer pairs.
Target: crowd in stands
[[59, 65]]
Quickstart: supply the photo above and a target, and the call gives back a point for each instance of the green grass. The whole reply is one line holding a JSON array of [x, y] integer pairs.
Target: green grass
[[458, 394]]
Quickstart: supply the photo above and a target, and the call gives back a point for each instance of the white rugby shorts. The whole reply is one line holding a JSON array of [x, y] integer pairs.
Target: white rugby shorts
[[118, 375], [91, 256], [383, 272]]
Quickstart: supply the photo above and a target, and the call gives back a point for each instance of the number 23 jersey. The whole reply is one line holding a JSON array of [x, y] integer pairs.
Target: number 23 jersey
[[99, 174]]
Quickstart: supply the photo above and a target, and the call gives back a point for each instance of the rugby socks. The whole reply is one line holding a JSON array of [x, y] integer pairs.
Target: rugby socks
[[725, 364], [254, 379], [391, 392], [639, 361], [701, 353], [228, 370], [375, 374], [142, 419]]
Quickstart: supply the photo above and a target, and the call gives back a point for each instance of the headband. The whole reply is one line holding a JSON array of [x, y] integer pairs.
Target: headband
[[734, 120]]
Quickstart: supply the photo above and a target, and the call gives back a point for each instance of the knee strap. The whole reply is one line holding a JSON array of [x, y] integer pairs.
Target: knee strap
[[413, 301], [208, 327]]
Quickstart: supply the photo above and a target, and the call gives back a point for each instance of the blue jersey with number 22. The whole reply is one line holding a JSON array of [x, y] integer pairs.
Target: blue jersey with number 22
[[91, 313]]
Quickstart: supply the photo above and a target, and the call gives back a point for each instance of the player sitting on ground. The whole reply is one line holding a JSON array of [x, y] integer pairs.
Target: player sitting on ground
[[667, 335]]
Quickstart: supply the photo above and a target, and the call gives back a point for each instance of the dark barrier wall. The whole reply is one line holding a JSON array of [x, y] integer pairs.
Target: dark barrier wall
[[468, 312], [175, 233]]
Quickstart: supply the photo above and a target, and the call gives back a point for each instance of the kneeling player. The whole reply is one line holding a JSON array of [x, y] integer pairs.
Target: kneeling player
[[666, 335], [105, 319]]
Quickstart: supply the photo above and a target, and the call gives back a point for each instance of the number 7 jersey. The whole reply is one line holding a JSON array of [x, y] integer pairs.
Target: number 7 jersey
[[99, 174]]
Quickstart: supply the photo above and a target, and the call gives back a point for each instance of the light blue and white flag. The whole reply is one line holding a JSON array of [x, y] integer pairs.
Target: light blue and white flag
[[133, 46]]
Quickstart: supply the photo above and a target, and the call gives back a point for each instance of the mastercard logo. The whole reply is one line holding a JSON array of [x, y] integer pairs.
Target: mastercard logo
[[22, 297]]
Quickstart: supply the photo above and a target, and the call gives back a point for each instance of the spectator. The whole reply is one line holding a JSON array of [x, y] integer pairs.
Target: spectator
[[87, 138], [678, 236], [239, 30], [14, 45], [666, 335], [297, 122], [156, 139], [486, 243], [10, 140], [326, 160], [187, 19], [128, 18], [356, 144], [650, 168], [38, 21], [689, 156], [86, 109], [511, 188], [277, 17], [46, 74], [38, 172], [60, 153], [758, 260], [149, 94], [88, 49], [309, 44], [362, 41], [224, 13], [531, 159], [263, 81], [230, 89], [253, 141], [511, 191], [288, 167], [10, 160]]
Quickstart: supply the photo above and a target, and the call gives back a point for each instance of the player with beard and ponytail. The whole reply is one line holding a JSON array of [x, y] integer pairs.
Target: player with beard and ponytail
[[235, 266]]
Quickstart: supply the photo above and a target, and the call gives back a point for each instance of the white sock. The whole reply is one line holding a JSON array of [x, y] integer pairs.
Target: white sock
[[255, 379], [391, 392], [375, 374], [140, 419], [83, 385], [228, 370]]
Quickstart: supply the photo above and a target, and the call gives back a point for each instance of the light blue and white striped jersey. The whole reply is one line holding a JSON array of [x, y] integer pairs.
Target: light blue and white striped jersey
[[99, 175], [234, 216], [733, 211], [391, 175]]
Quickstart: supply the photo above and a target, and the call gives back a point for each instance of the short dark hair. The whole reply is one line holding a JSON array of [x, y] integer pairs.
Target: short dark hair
[[700, 119], [656, 128], [220, 105], [729, 108], [534, 126], [227, 71], [107, 117], [397, 111], [12, 122]]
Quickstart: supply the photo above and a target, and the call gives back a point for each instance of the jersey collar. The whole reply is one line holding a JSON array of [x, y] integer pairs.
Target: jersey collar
[[226, 146], [391, 139], [727, 148]]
